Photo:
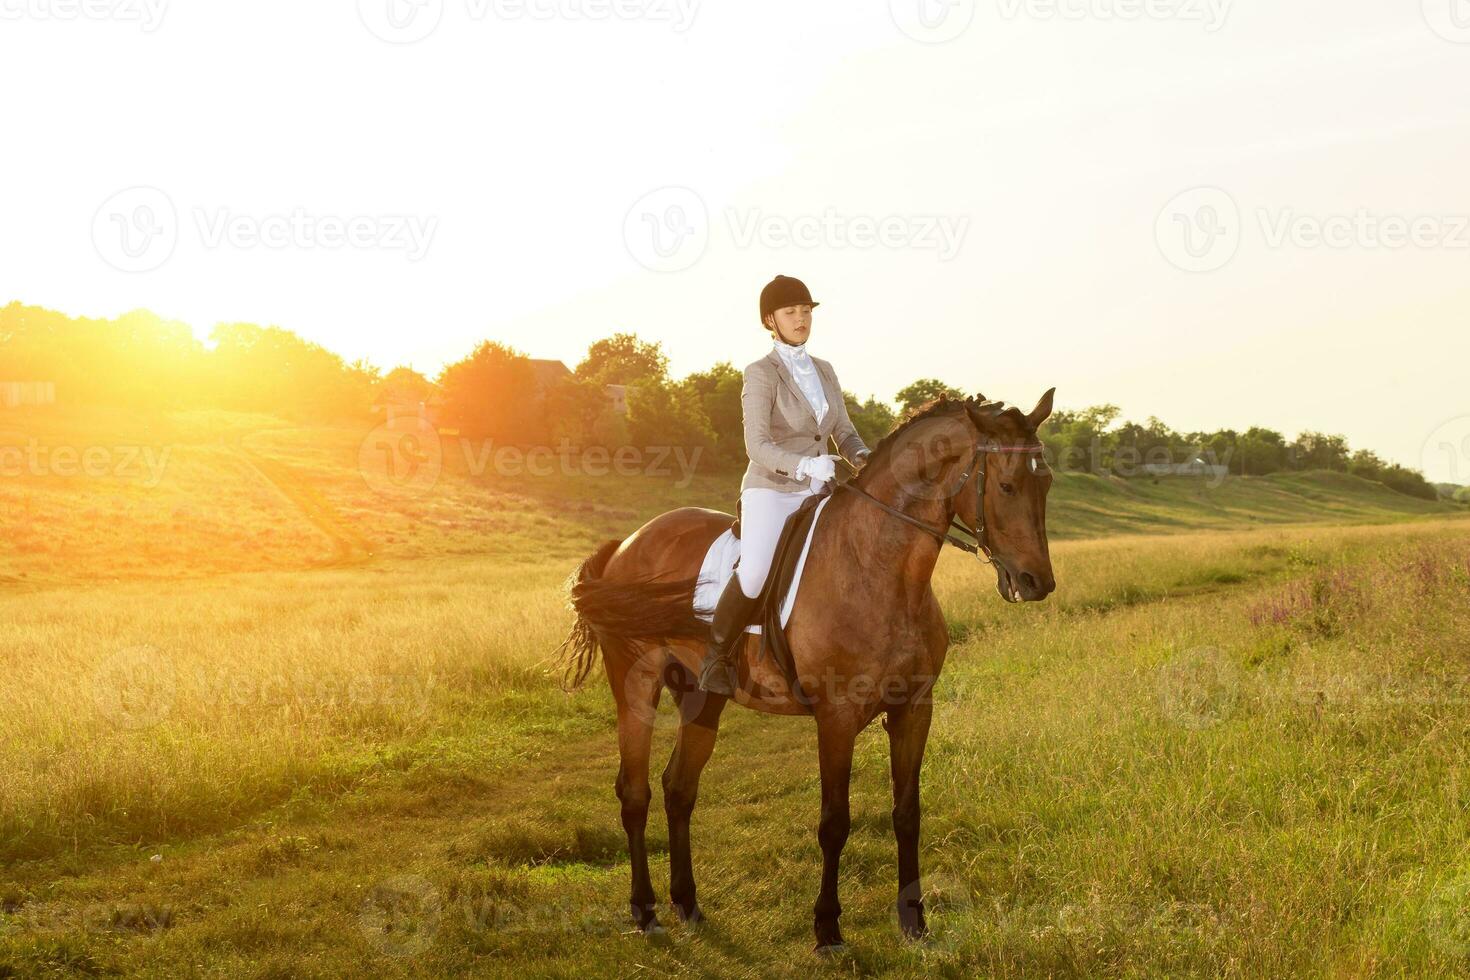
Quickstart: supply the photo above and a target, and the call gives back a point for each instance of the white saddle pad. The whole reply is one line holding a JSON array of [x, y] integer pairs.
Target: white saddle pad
[[719, 565]]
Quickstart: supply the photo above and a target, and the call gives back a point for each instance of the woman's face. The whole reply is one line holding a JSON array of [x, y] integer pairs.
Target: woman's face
[[794, 323]]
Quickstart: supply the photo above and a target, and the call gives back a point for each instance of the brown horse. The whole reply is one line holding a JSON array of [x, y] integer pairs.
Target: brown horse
[[866, 632]]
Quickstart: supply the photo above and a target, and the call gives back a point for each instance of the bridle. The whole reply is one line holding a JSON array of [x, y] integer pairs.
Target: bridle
[[981, 548]]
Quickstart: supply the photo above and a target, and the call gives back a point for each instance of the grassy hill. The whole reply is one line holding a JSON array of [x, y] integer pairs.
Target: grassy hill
[[90, 497]]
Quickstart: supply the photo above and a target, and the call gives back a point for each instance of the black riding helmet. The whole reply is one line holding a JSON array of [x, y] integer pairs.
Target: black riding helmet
[[781, 292]]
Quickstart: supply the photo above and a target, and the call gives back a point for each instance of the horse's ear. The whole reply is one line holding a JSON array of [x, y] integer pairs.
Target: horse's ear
[[1042, 411]]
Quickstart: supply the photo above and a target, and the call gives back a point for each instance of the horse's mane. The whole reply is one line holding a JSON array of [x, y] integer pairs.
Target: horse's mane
[[985, 414]]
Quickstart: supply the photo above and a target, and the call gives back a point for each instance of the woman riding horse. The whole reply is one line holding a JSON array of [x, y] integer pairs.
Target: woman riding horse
[[792, 402], [866, 634]]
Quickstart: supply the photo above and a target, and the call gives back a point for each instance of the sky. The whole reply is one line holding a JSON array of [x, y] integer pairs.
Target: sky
[[1223, 213]]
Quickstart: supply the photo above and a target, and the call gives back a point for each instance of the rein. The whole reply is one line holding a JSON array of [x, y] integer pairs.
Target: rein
[[941, 534]]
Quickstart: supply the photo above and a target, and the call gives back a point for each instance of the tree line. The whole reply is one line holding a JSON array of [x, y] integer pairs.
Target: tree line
[[140, 361]]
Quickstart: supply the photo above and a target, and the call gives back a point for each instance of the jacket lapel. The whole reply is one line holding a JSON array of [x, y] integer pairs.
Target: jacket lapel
[[780, 365], [834, 394]]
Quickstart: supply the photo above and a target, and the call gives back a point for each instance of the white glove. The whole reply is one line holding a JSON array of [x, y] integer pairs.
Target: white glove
[[819, 468]]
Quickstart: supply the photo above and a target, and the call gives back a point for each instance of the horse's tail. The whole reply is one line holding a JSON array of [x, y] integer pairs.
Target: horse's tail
[[610, 614]]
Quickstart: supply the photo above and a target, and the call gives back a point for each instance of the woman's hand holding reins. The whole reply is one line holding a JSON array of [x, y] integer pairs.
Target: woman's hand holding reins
[[819, 468]]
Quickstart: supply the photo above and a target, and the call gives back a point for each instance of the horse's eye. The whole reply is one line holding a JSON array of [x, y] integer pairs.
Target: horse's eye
[[1007, 488]]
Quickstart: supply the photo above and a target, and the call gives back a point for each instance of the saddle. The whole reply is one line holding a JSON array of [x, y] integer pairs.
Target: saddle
[[778, 582]]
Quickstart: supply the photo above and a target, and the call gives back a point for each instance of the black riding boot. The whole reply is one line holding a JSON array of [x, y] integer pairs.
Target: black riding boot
[[732, 615]]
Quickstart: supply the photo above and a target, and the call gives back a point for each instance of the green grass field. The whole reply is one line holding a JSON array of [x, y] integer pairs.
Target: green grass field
[[261, 720]]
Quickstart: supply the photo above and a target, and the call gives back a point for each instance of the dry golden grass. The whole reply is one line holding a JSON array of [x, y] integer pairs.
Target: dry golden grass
[[1225, 753]]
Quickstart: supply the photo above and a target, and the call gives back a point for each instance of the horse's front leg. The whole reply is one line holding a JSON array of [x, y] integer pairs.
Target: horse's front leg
[[908, 731], [836, 735]]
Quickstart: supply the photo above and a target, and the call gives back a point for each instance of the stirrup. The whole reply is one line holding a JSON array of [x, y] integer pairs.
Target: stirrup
[[719, 677]]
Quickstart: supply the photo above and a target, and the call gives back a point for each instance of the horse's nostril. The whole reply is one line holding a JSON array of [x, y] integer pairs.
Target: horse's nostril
[[1028, 581]]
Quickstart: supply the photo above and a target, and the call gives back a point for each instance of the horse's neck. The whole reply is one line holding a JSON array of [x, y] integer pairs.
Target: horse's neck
[[891, 546]]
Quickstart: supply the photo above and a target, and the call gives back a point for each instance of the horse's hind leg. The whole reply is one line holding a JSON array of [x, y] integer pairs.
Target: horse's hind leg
[[636, 689], [699, 723]]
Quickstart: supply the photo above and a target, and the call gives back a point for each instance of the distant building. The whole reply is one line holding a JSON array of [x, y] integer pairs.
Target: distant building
[[617, 395], [397, 408], [548, 372], [14, 394]]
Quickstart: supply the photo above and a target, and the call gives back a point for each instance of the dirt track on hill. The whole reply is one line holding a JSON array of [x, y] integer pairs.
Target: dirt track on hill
[[349, 548]]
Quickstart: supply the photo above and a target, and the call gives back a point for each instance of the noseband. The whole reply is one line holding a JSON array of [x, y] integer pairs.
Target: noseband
[[981, 533]]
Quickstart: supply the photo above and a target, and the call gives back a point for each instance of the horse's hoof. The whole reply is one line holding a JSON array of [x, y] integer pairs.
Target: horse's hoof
[[646, 921], [831, 949], [691, 916], [911, 920], [829, 933], [913, 928]]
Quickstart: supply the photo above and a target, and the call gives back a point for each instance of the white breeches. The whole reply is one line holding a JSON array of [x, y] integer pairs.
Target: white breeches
[[763, 513]]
